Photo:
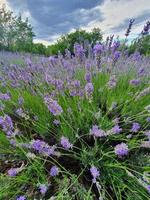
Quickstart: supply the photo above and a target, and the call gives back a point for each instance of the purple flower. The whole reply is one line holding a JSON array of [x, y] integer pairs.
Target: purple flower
[[88, 65], [4, 96], [146, 28], [21, 198], [145, 144], [116, 129], [88, 77], [53, 106], [115, 46], [20, 112], [148, 188], [65, 143], [43, 188], [95, 173], [7, 125], [141, 71], [12, 172], [20, 100], [148, 134], [98, 49], [79, 50], [37, 145], [59, 84], [54, 171], [148, 119], [95, 131], [112, 82], [13, 142], [48, 150], [56, 122], [143, 93], [116, 55], [42, 147], [135, 82], [129, 27], [135, 127], [75, 83], [121, 150], [89, 89], [116, 121]]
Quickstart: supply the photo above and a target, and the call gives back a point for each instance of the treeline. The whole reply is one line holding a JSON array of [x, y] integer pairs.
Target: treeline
[[17, 34]]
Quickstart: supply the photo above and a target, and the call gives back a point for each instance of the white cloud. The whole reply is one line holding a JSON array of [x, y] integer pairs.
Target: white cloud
[[45, 42], [48, 41], [115, 12], [4, 2]]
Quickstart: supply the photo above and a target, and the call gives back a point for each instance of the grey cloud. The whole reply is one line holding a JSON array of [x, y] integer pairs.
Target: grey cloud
[[52, 17], [143, 17]]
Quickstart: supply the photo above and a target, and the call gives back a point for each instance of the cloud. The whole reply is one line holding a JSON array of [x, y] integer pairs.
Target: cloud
[[54, 17], [116, 14], [51, 18]]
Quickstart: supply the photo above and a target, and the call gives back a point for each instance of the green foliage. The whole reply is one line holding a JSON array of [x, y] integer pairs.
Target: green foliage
[[15, 33], [118, 179], [79, 36], [141, 44]]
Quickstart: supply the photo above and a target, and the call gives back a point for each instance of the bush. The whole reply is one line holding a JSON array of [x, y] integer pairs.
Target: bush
[[75, 127]]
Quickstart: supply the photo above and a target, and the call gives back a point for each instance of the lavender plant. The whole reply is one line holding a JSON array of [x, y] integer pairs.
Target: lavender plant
[[75, 127]]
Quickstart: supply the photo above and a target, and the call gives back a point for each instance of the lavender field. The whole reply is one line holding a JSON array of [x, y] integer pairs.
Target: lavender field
[[75, 126], [74, 100]]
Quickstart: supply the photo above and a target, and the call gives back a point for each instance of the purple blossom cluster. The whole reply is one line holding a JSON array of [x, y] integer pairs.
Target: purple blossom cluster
[[4, 96], [112, 82], [54, 171], [53, 106], [98, 49], [135, 82], [135, 127], [21, 198], [96, 132], [65, 143], [43, 188], [89, 89], [95, 173], [121, 150], [7, 124], [13, 172], [42, 147], [116, 129]]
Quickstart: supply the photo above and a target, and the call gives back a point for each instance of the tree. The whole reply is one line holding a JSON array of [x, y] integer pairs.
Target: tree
[[79, 36], [15, 33]]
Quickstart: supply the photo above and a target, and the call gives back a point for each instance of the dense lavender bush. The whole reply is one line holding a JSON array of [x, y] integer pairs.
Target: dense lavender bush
[[75, 127]]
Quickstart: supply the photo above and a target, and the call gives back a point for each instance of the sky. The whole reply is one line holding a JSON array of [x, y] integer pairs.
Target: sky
[[52, 18]]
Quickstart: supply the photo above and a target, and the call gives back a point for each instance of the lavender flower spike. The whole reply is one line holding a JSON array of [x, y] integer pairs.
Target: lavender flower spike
[[135, 127], [121, 150], [4, 96], [116, 129], [148, 188], [54, 171], [95, 131], [95, 173], [65, 143], [21, 198], [53, 106], [12, 172], [43, 188], [89, 89]]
